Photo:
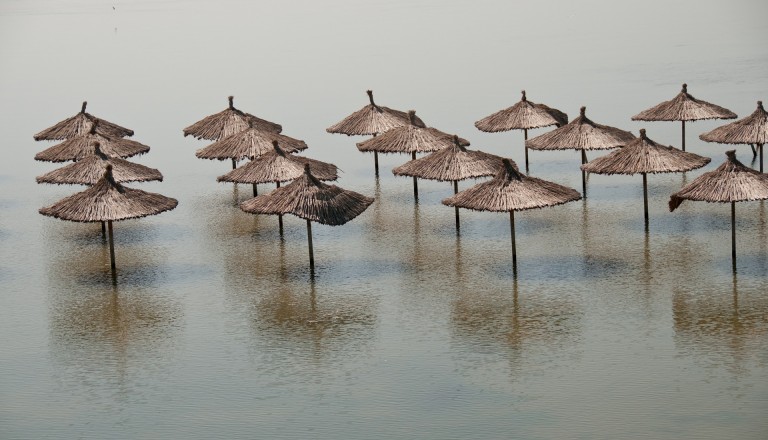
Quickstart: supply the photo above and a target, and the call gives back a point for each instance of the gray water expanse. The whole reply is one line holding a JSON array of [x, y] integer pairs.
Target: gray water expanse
[[215, 328]]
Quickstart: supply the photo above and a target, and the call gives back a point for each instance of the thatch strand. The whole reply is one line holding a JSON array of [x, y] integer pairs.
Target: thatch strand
[[309, 198], [522, 116], [228, 122], [581, 134], [80, 124], [410, 138], [90, 169], [371, 120], [249, 143], [684, 107], [750, 130], [79, 147], [108, 200], [278, 166], [643, 155]]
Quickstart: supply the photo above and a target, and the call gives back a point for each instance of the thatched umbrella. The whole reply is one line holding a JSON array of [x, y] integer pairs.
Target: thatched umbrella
[[371, 120], [684, 107], [227, 122], [88, 170], [452, 163], [277, 166], [79, 147], [524, 115], [751, 130], [250, 143], [411, 138], [80, 124], [643, 156], [581, 134], [109, 201], [310, 199], [512, 191], [731, 182]]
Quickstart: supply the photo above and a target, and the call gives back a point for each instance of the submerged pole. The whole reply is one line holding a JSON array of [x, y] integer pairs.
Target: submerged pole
[[584, 174], [311, 254], [415, 183], [514, 248], [111, 247], [683, 135], [645, 199], [455, 191], [525, 138], [280, 217]]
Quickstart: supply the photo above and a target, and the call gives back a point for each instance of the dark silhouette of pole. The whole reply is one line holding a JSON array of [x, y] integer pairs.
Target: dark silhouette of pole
[[645, 199], [415, 184], [514, 248], [456, 208], [311, 253], [525, 138], [111, 247], [683, 135], [280, 219], [584, 174], [255, 190]]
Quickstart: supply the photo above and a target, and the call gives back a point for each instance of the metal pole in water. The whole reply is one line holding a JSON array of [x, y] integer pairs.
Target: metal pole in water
[[645, 199], [311, 254], [111, 247]]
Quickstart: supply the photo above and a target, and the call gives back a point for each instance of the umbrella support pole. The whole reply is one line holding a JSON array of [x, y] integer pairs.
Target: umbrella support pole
[[514, 248], [415, 183], [761, 157], [255, 190], [280, 216], [234, 164], [733, 232], [754, 151], [455, 191], [111, 246], [376, 162], [311, 253], [103, 229], [683, 135], [645, 199], [583, 174], [525, 138]]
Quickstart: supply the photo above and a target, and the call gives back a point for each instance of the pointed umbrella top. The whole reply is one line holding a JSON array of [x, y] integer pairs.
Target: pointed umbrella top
[[581, 134], [227, 122], [370, 120], [451, 164], [522, 116], [80, 124], [730, 182], [684, 107], [413, 137], [309, 198], [643, 155], [510, 190], [108, 200], [79, 147], [750, 130], [278, 166], [251, 143]]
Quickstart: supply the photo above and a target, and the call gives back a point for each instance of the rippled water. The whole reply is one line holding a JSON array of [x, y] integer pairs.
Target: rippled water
[[215, 328]]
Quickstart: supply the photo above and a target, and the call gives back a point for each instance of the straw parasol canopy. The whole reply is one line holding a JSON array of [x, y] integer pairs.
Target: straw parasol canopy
[[684, 107], [227, 122], [524, 115], [309, 198], [80, 124], [452, 163], [750, 130], [512, 191], [643, 156], [89, 170], [109, 201], [249, 143], [731, 182], [581, 134], [79, 147]]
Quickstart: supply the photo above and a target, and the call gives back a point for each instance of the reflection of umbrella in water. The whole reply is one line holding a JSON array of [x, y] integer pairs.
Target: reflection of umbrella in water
[[524, 115], [684, 107], [411, 138], [227, 122], [79, 147], [80, 124], [750, 130], [88, 170], [109, 201], [731, 182], [644, 156], [371, 120], [452, 163], [512, 191], [581, 134], [278, 166], [310, 199]]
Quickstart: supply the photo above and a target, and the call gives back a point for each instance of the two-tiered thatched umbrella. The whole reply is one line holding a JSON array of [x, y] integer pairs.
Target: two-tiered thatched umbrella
[[525, 115], [750, 130], [684, 107], [371, 120], [80, 124], [452, 163], [81, 146], [411, 138], [310, 199], [581, 134], [277, 166], [109, 201], [227, 122], [512, 191], [643, 156], [88, 170], [731, 182], [250, 143]]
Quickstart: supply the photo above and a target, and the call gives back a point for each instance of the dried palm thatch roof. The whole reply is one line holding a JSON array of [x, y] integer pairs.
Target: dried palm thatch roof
[[750, 130], [510, 190], [81, 124], [522, 116], [227, 122], [451, 164], [643, 155], [684, 107], [309, 198], [79, 147], [371, 120], [410, 138], [278, 166], [108, 200], [90, 169], [249, 143], [581, 134], [730, 182]]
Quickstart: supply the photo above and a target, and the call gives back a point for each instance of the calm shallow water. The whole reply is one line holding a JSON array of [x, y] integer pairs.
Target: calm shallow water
[[215, 328]]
